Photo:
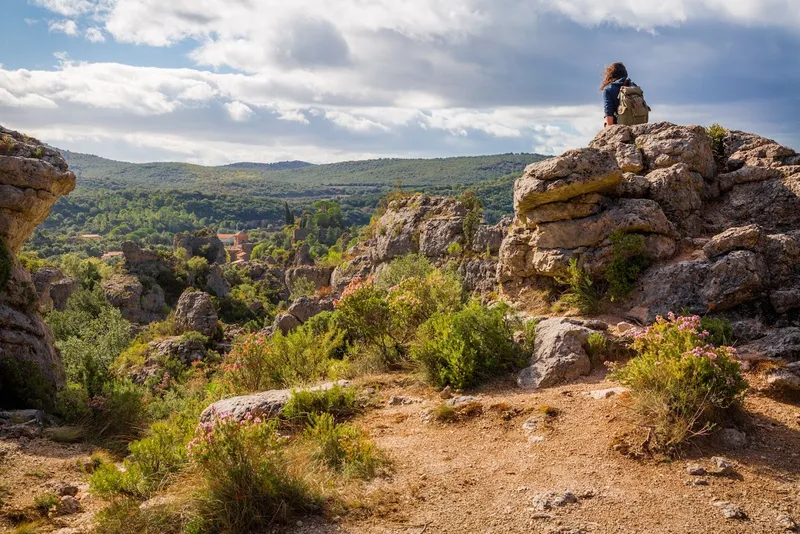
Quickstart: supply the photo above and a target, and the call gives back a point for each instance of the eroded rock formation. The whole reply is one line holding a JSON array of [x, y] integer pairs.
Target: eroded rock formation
[[32, 178]]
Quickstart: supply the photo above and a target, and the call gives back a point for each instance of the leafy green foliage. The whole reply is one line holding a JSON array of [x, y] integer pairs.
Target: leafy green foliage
[[580, 292], [342, 447], [680, 383], [399, 269], [464, 348], [455, 249], [720, 330], [249, 485], [598, 344], [302, 287], [258, 362], [90, 334], [628, 263], [474, 216], [529, 335], [717, 134], [44, 502], [338, 401]]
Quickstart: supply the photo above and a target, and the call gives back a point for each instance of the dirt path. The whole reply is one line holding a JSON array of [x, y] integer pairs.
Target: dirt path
[[483, 474]]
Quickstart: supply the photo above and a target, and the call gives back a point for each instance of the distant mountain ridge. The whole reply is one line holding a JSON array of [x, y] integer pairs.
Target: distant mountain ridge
[[277, 166]]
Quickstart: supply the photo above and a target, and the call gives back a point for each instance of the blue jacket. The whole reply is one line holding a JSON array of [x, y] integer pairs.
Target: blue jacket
[[611, 97]]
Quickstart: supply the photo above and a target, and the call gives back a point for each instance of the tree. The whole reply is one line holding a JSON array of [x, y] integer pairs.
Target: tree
[[288, 217]]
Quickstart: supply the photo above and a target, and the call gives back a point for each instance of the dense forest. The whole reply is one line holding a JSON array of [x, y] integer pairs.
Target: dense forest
[[149, 203]]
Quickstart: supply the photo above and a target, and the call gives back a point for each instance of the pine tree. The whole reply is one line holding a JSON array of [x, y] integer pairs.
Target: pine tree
[[288, 216]]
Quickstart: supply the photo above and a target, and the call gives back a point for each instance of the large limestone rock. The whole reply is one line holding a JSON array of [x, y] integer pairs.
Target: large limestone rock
[[32, 178], [559, 354], [138, 304], [195, 313], [722, 231], [53, 288], [267, 404], [203, 243]]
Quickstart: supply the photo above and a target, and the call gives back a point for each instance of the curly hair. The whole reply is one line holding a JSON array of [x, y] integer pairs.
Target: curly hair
[[615, 71]]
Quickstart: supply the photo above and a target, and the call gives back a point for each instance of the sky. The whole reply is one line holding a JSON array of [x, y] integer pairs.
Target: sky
[[220, 81]]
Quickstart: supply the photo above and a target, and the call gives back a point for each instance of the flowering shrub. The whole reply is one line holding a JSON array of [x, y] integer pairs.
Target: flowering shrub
[[679, 380], [464, 348], [342, 447], [258, 362], [248, 483], [364, 312]]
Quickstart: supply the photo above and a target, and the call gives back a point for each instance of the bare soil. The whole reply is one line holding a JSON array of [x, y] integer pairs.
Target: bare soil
[[482, 472]]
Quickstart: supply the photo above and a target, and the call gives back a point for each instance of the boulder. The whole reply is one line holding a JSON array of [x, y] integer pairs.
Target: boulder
[[436, 235], [285, 322], [305, 308], [216, 283], [619, 140], [182, 349], [489, 238], [138, 304], [664, 145], [195, 313], [203, 243], [267, 404], [738, 238], [576, 208], [627, 215], [575, 173], [784, 378], [53, 288], [319, 276], [478, 274], [779, 344], [32, 178], [678, 191], [359, 267], [734, 279], [559, 354]]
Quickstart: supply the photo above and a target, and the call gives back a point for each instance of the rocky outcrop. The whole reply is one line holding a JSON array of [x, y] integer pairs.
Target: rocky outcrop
[[144, 262], [53, 288], [317, 275], [195, 313], [139, 303], [722, 231], [203, 243], [32, 178], [300, 311]]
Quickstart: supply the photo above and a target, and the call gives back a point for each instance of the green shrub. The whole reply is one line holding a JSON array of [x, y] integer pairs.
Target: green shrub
[[402, 268], [302, 287], [679, 382], [455, 249], [337, 401], [125, 516], [529, 335], [415, 300], [598, 344], [579, 292], [258, 362], [629, 262], [248, 482], [342, 447], [6, 265], [117, 414], [44, 502], [474, 216], [717, 134], [464, 348], [720, 330], [72, 403], [365, 314]]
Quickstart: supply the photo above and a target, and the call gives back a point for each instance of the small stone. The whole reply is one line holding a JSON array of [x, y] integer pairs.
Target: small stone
[[535, 439], [730, 510], [722, 466], [624, 327], [700, 482], [446, 393], [464, 399], [67, 489], [696, 470], [530, 425], [786, 522], [600, 394], [68, 505], [550, 500], [733, 438]]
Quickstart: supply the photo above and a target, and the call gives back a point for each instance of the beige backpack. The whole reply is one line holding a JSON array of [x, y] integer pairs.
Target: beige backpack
[[632, 107]]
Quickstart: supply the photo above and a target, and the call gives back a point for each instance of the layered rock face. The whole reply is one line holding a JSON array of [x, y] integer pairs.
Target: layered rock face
[[434, 227], [722, 230], [32, 178]]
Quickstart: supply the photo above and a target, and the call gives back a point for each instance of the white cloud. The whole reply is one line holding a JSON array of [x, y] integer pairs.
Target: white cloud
[[239, 111], [31, 22], [71, 8], [94, 35], [68, 27]]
